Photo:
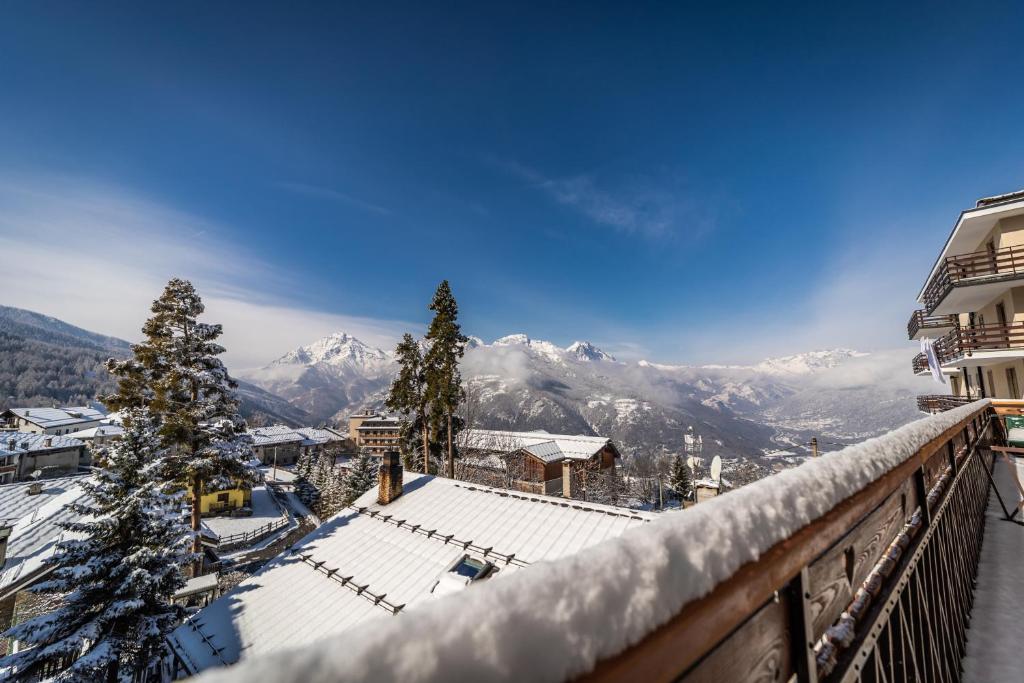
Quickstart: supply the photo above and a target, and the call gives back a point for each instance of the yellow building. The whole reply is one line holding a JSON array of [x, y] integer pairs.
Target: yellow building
[[973, 305], [216, 502], [375, 433]]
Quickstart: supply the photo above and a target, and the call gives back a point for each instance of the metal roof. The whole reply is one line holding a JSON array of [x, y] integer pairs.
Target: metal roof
[[573, 446], [59, 417], [27, 442], [374, 560]]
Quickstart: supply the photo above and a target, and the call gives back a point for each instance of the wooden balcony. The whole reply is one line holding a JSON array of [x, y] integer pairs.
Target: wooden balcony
[[921, 323], [940, 403], [976, 268], [920, 364], [987, 339]]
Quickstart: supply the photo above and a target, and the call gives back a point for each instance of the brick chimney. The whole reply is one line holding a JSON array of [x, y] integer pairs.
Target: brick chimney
[[48, 441], [389, 478]]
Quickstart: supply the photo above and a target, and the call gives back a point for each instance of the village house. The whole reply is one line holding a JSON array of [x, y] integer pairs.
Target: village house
[[283, 445], [22, 453], [412, 539], [30, 515], [375, 433], [536, 462], [52, 420]]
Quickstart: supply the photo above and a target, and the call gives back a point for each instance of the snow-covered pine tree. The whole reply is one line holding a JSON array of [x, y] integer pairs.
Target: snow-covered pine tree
[[115, 573], [324, 482], [441, 363], [680, 478], [362, 476], [175, 372], [408, 396]]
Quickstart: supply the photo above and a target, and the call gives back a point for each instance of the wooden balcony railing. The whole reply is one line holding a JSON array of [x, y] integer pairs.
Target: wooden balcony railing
[[954, 270], [966, 341], [940, 403], [921, 321], [878, 589], [919, 364]]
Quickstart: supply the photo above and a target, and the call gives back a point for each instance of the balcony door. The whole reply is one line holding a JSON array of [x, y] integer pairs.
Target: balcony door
[[1011, 382]]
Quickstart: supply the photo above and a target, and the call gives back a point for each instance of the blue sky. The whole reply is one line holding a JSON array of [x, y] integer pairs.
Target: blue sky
[[685, 185]]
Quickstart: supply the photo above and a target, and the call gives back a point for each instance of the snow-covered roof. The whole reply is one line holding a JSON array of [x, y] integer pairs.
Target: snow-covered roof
[[559, 619], [275, 435], [280, 434], [27, 442], [101, 430], [320, 435], [35, 536], [59, 417], [373, 561], [547, 447], [15, 501]]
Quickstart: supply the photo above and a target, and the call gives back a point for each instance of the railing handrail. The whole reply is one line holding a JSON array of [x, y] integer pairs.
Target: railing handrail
[[1006, 261]]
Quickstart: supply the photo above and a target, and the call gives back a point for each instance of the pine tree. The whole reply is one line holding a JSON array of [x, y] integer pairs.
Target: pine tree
[[325, 480], [362, 476], [680, 478], [117, 572], [176, 374], [408, 394], [441, 363]]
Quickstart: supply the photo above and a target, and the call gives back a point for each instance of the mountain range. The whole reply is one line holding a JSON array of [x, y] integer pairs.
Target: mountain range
[[839, 395], [44, 360], [755, 411]]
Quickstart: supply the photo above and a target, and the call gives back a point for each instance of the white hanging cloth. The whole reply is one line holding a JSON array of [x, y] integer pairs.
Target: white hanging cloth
[[928, 349]]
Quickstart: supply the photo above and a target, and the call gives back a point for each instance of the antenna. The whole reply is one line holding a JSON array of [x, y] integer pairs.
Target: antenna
[[716, 470]]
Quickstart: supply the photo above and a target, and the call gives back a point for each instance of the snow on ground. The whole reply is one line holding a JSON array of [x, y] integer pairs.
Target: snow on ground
[[264, 510], [551, 622], [999, 595], [280, 474]]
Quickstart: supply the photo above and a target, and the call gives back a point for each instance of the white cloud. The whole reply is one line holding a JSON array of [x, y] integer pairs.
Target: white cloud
[[335, 196], [639, 205], [96, 256]]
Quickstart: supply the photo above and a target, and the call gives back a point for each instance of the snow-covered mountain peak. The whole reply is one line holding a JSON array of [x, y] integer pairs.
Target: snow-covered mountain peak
[[511, 340], [585, 351], [806, 363], [338, 350]]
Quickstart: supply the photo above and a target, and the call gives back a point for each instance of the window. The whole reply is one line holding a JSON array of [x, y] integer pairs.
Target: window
[[1011, 382], [471, 568], [222, 497], [954, 383]]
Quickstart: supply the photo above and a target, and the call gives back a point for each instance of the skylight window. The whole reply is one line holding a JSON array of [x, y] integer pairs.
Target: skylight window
[[470, 568]]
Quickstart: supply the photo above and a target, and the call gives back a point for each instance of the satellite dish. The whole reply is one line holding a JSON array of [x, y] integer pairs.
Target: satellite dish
[[716, 468]]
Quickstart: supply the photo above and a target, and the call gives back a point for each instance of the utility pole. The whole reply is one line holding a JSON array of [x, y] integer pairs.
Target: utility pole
[[275, 464]]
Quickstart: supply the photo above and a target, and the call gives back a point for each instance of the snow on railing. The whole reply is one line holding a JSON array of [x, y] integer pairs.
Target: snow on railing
[[558, 619]]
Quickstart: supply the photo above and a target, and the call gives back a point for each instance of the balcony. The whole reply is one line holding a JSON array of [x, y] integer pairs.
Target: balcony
[[921, 324], [920, 364], [969, 281], [982, 344], [940, 403]]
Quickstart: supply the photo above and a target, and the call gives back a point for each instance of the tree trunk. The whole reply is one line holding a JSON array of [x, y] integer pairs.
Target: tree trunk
[[426, 446], [451, 453], [197, 525]]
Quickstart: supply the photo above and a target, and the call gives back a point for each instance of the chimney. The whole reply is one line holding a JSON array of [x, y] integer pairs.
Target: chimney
[[5, 533], [48, 441], [390, 478], [35, 488]]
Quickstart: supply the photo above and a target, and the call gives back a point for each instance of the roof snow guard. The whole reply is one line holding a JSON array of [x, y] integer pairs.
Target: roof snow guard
[[374, 560]]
